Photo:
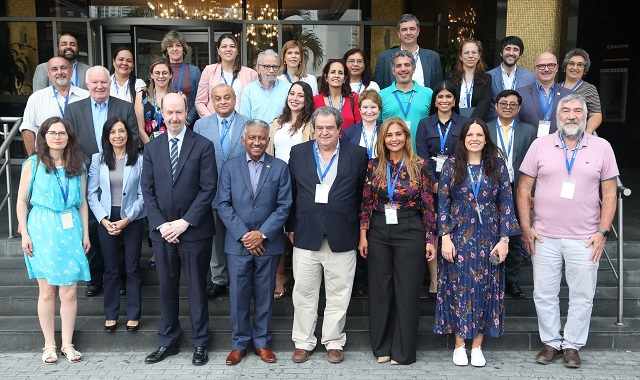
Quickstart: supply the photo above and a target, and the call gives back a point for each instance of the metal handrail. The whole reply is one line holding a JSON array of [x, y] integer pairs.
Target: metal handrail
[[622, 190], [8, 135]]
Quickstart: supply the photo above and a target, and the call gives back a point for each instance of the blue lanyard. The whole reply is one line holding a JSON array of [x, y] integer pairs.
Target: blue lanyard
[[126, 86], [225, 132], [75, 69], [224, 79], [406, 113], [574, 87], [513, 129], [65, 194], [66, 100], [443, 138], [331, 102], [545, 103], [157, 109], [513, 84], [469, 91], [286, 74], [359, 88], [180, 80], [575, 153], [370, 145], [315, 154], [475, 186], [392, 185]]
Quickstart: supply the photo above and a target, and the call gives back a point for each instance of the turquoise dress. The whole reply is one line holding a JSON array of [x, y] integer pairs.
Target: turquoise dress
[[58, 255]]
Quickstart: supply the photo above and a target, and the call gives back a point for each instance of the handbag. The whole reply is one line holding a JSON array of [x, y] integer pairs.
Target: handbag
[[29, 207]]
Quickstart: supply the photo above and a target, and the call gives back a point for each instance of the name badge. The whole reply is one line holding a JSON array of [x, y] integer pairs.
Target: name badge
[[440, 159], [408, 123], [543, 127], [67, 220], [157, 133], [391, 214], [511, 174], [322, 194], [568, 189]]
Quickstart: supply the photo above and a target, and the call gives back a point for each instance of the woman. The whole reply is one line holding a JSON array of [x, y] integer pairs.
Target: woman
[[228, 70], [475, 219], [115, 198], [576, 65], [124, 84], [147, 107], [335, 92], [292, 127], [397, 227], [474, 84], [293, 67], [53, 183], [359, 71], [187, 76]]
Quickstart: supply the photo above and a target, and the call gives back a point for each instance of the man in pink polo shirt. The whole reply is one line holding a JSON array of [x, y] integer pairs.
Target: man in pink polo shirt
[[569, 168]]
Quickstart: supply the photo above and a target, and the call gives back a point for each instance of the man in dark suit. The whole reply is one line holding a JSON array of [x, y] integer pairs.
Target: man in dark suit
[[514, 138], [179, 180], [68, 49], [428, 67], [327, 180], [540, 99], [254, 196]]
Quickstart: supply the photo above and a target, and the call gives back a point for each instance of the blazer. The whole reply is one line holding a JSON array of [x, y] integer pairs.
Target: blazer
[[211, 77], [523, 78], [189, 196], [208, 127], [267, 210], [99, 190], [307, 135], [523, 136], [339, 219], [194, 78], [531, 111], [480, 97], [41, 80], [81, 117], [353, 134], [429, 59]]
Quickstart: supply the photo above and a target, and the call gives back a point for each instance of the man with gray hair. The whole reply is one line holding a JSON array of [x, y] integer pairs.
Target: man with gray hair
[[570, 168], [323, 228], [265, 98]]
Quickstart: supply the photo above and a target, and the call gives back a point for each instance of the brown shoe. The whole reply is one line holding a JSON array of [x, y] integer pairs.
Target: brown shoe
[[571, 358], [235, 356], [548, 354], [335, 356], [300, 355], [265, 354]]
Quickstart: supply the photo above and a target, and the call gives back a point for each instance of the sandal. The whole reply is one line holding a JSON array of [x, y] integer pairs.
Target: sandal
[[48, 356], [71, 354], [279, 294]]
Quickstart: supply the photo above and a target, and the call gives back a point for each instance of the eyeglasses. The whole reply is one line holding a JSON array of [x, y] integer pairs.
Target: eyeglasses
[[470, 52], [352, 61], [270, 67], [161, 73], [576, 64], [508, 105], [544, 66], [59, 135]]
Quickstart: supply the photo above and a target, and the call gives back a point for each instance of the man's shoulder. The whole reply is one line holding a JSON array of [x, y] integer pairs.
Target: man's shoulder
[[72, 107], [496, 71], [116, 102], [386, 55], [428, 52]]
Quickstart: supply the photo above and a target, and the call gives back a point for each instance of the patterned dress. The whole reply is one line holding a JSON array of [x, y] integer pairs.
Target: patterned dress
[[58, 255], [154, 124], [471, 290]]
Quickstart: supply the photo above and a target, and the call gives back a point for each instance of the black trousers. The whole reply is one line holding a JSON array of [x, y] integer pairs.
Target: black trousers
[[96, 263], [512, 261]]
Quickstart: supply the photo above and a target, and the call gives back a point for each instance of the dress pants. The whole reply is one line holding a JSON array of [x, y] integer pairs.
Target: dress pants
[[512, 261], [218, 263], [96, 262]]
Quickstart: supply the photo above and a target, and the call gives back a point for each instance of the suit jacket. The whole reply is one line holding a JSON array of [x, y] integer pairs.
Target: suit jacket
[[480, 98], [189, 196], [523, 136], [208, 127], [81, 117], [267, 210], [523, 78], [429, 59], [531, 111], [99, 190], [428, 140], [339, 219], [41, 80], [211, 77]]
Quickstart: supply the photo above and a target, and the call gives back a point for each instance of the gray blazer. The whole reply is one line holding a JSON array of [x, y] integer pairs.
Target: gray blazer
[[41, 80], [523, 136], [524, 77]]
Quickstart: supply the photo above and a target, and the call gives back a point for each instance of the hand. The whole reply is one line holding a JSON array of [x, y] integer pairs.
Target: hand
[[27, 244], [502, 249], [431, 251], [86, 243], [598, 241], [252, 240], [529, 235], [170, 231], [291, 237], [258, 251], [363, 246], [122, 224], [448, 249]]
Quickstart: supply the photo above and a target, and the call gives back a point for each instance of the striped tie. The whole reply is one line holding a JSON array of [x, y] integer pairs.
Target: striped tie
[[174, 157]]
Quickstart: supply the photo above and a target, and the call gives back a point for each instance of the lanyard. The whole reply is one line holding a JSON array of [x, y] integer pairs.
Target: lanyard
[[286, 74], [575, 153], [513, 84], [75, 69], [545, 103], [504, 150], [574, 87], [225, 79], [392, 185], [115, 84], [443, 138], [359, 88], [406, 113], [320, 172], [180, 80], [157, 109], [469, 91], [475, 186], [225, 132], [331, 102], [65, 194], [66, 100], [370, 145]]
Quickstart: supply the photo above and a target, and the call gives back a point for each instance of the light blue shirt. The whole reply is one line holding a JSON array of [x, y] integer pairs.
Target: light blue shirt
[[229, 119], [255, 169], [264, 104], [99, 113]]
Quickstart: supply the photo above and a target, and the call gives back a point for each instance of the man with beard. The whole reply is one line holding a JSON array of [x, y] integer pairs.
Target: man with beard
[[68, 49], [264, 98], [569, 168]]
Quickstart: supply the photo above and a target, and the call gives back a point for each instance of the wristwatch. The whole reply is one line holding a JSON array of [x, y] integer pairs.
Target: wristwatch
[[263, 236], [505, 239], [605, 233]]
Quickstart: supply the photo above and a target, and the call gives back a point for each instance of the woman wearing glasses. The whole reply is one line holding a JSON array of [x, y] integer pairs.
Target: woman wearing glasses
[[474, 84], [147, 107], [576, 65], [335, 92], [293, 67], [359, 71]]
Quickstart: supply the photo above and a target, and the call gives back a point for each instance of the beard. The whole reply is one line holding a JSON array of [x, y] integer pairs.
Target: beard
[[571, 129], [69, 54], [61, 82]]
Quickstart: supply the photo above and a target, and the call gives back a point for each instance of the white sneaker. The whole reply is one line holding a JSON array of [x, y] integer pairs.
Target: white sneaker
[[460, 356], [477, 358]]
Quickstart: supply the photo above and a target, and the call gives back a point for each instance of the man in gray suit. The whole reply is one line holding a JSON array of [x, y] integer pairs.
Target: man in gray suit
[[67, 48], [224, 129]]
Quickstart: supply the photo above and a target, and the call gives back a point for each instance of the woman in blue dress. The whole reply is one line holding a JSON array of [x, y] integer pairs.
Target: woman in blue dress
[[56, 238], [475, 219]]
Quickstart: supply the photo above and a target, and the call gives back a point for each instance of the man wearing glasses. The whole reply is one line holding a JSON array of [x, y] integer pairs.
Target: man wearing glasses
[[540, 99], [264, 99]]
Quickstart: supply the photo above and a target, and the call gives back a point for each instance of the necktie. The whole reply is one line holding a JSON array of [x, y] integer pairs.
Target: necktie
[[224, 138], [174, 157], [504, 131]]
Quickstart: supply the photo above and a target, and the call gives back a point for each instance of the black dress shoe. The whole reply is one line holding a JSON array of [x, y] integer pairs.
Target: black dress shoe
[[160, 354], [360, 292], [200, 356], [133, 328], [111, 328], [514, 290], [216, 291], [93, 290]]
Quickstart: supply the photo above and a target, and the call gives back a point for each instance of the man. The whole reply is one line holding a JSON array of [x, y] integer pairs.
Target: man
[[541, 98], [224, 128], [508, 75], [49, 101], [327, 181], [88, 117], [405, 98], [428, 70], [569, 168], [179, 179], [68, 49], [254, 203], [264, 99], [514, 138]]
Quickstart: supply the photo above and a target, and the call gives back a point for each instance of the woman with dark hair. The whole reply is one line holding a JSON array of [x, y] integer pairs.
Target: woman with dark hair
[[359, 71], [115, 198], [147, 106], [228, 70], [472, 80], [475, 219], [293, 67], [53, 182], [124, 84], [335, 92]]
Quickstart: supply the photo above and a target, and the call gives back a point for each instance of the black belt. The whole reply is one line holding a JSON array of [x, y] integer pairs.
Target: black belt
[[405, 213]]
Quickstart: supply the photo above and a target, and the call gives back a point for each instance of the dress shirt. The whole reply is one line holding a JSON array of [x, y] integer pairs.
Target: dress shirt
[[330, 177], [180, 137], [99, 113], [262, 103], [44, 104], [255, 169]]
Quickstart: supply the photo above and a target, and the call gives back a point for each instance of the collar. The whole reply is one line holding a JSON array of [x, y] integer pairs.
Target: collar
[[180, 135], [220, 118], [515, 67], [551, 88], [249, 159], [413, 88], [268, 89], [93, 103], [583, 143], [505, 125], [337, 148]]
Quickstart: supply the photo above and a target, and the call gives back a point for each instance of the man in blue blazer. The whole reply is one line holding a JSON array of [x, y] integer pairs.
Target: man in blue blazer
[[179, 180], [428, 66], [227, 145], [254, 200], [327, 180]]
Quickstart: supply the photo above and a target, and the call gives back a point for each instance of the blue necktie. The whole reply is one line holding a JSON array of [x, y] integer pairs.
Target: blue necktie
[[225, 141], [174, 157]]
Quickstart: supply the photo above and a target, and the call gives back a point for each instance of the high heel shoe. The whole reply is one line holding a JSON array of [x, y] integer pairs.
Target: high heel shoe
[[111, 328], [133, 328], [285, 285]]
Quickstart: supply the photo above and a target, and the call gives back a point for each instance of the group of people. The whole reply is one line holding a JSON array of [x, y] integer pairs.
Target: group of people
[[365, 181]]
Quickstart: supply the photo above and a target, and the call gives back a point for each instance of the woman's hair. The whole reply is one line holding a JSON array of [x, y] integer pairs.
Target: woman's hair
[[457, 73], [489, 153], [237, 65], [410, 158], [171, 38], [307, 110], [323, 86], [452, 88], [132, 74], [577, 52], [108, 156], [371, 95], [72, 154], [301, 72], [152, 85], [366, 73]]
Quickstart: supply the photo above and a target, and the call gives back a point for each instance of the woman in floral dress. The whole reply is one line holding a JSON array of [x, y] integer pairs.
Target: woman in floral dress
[[147, 106]]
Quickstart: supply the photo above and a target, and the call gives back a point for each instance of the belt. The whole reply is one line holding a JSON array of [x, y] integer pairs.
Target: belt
[[405, 213]]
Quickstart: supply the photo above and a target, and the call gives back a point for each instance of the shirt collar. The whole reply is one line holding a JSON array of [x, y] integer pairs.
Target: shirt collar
[[337, 147], [267, 89], [504, 72], [551, 89], [180, 135], [93, 103], [415, 86], [585, 139], [249, 159]]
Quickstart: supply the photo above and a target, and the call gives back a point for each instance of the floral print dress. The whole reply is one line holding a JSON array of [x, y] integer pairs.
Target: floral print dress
[[153, 122]]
